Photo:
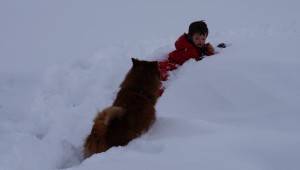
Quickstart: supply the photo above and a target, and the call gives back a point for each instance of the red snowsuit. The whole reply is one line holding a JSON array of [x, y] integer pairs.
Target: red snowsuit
[[185, 50]]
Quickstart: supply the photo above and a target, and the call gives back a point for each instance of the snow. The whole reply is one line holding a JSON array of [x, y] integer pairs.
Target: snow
[[62, 61]]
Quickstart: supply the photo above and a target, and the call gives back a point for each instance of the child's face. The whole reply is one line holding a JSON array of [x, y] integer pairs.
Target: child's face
[[199, 39]]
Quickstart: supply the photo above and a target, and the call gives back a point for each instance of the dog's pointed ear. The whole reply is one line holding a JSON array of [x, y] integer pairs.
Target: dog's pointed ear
[[134, 61]]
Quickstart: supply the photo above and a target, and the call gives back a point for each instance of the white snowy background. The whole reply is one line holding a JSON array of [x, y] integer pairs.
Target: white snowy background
[[62, 60]]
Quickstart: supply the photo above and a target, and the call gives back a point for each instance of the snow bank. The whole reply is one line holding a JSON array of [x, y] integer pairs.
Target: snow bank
[[235, 110]]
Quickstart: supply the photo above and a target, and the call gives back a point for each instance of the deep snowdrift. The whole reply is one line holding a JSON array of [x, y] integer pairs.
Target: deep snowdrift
[[235, 110]]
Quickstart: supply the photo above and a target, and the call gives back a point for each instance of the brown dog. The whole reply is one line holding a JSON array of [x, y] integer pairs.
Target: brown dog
[[131, 114]]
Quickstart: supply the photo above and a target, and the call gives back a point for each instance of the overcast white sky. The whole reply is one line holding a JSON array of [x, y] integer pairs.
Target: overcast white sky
[[52, 31]]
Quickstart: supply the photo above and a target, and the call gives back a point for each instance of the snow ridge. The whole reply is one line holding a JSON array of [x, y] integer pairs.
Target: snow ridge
[[238, 108]]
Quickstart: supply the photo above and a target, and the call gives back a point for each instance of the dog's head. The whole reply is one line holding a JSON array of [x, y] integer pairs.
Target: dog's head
[[149, 68]]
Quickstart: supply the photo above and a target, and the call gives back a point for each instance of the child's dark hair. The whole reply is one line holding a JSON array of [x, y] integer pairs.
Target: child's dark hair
[[199, 27]]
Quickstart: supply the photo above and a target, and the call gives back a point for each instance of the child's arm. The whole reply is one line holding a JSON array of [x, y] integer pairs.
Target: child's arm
[[210, 49]]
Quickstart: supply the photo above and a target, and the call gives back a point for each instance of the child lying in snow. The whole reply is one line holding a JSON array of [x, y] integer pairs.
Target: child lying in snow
[[191, 45]]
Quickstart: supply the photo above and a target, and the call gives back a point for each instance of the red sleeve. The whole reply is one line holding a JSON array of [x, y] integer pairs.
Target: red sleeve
[[209, 53]]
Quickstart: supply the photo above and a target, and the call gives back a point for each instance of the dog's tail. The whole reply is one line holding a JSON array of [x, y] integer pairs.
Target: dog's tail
[[95, 142]]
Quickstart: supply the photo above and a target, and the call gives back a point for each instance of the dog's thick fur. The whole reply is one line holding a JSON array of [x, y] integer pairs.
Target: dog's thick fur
[[132, 112]]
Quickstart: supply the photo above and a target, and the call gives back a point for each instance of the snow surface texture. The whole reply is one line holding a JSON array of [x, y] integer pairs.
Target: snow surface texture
[[238, 109]]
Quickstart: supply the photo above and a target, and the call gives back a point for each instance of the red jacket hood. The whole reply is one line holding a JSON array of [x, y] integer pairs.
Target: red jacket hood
[[182, 42]]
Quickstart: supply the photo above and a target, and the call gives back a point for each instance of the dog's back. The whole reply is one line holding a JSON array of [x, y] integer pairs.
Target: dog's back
[[131, 114]]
